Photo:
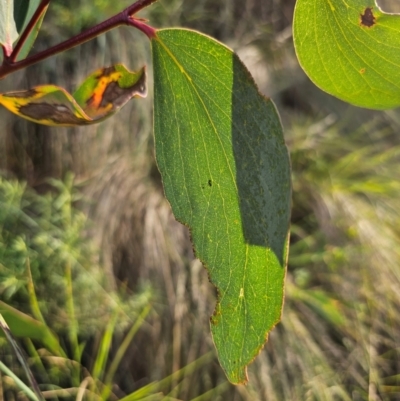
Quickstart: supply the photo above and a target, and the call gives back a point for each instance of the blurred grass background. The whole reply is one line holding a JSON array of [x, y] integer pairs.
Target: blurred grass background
[[89, 248]]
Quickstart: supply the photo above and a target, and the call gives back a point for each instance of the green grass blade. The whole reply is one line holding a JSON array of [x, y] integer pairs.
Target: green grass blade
[[21, 358], [211, 394], [19, 382], [23, 325], [154, 389], [31, 291], [122, 349], [104, 348]]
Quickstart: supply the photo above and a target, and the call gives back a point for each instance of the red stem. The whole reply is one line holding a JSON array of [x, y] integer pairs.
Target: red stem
[[4, 52], [125, 17], [136, 7]]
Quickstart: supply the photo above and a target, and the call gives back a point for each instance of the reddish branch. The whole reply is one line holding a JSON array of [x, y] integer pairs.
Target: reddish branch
[[125, 17]]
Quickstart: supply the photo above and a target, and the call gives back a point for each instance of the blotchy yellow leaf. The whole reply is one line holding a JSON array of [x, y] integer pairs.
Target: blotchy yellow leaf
[[101, 95]]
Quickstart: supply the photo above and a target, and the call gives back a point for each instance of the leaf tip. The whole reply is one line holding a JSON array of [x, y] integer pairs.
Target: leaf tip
[[238, 376]]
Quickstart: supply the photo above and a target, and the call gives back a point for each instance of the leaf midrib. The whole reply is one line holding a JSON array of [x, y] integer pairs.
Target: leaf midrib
[[247, 247]]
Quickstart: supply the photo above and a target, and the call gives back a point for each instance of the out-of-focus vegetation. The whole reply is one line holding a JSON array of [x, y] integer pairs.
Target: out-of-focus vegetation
[[51, 272], [42, 248], [339, 338]]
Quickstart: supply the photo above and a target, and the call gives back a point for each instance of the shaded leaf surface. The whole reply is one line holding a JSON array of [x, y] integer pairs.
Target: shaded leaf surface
[[8, 30], [350, 49], [100, 96], [21, 8], [226, 173], [33, 5]]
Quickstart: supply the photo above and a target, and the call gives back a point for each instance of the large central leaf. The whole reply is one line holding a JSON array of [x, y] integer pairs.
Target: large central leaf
[[226, 173]]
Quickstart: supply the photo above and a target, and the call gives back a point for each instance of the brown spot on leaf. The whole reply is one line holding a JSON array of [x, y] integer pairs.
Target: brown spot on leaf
[[216, 317], [21, 94], [107, 71], [362, 71], [112, 96], [59, 114], [368, 18]]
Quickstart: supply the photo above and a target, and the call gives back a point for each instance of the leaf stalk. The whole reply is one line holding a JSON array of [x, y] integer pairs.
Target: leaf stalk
[[125, 17]]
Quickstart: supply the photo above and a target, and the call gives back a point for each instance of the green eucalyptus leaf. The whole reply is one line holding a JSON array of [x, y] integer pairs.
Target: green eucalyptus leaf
[[21, 8], [30, 40], [8, 30], [226, 173], [350, 49]]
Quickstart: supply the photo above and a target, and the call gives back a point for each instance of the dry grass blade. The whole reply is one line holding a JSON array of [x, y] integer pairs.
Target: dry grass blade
[[23, 361]]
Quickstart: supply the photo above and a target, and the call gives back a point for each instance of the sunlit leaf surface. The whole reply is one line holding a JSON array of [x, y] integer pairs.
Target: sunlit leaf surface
[[350, 49], [226, 173], [101, 95]]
